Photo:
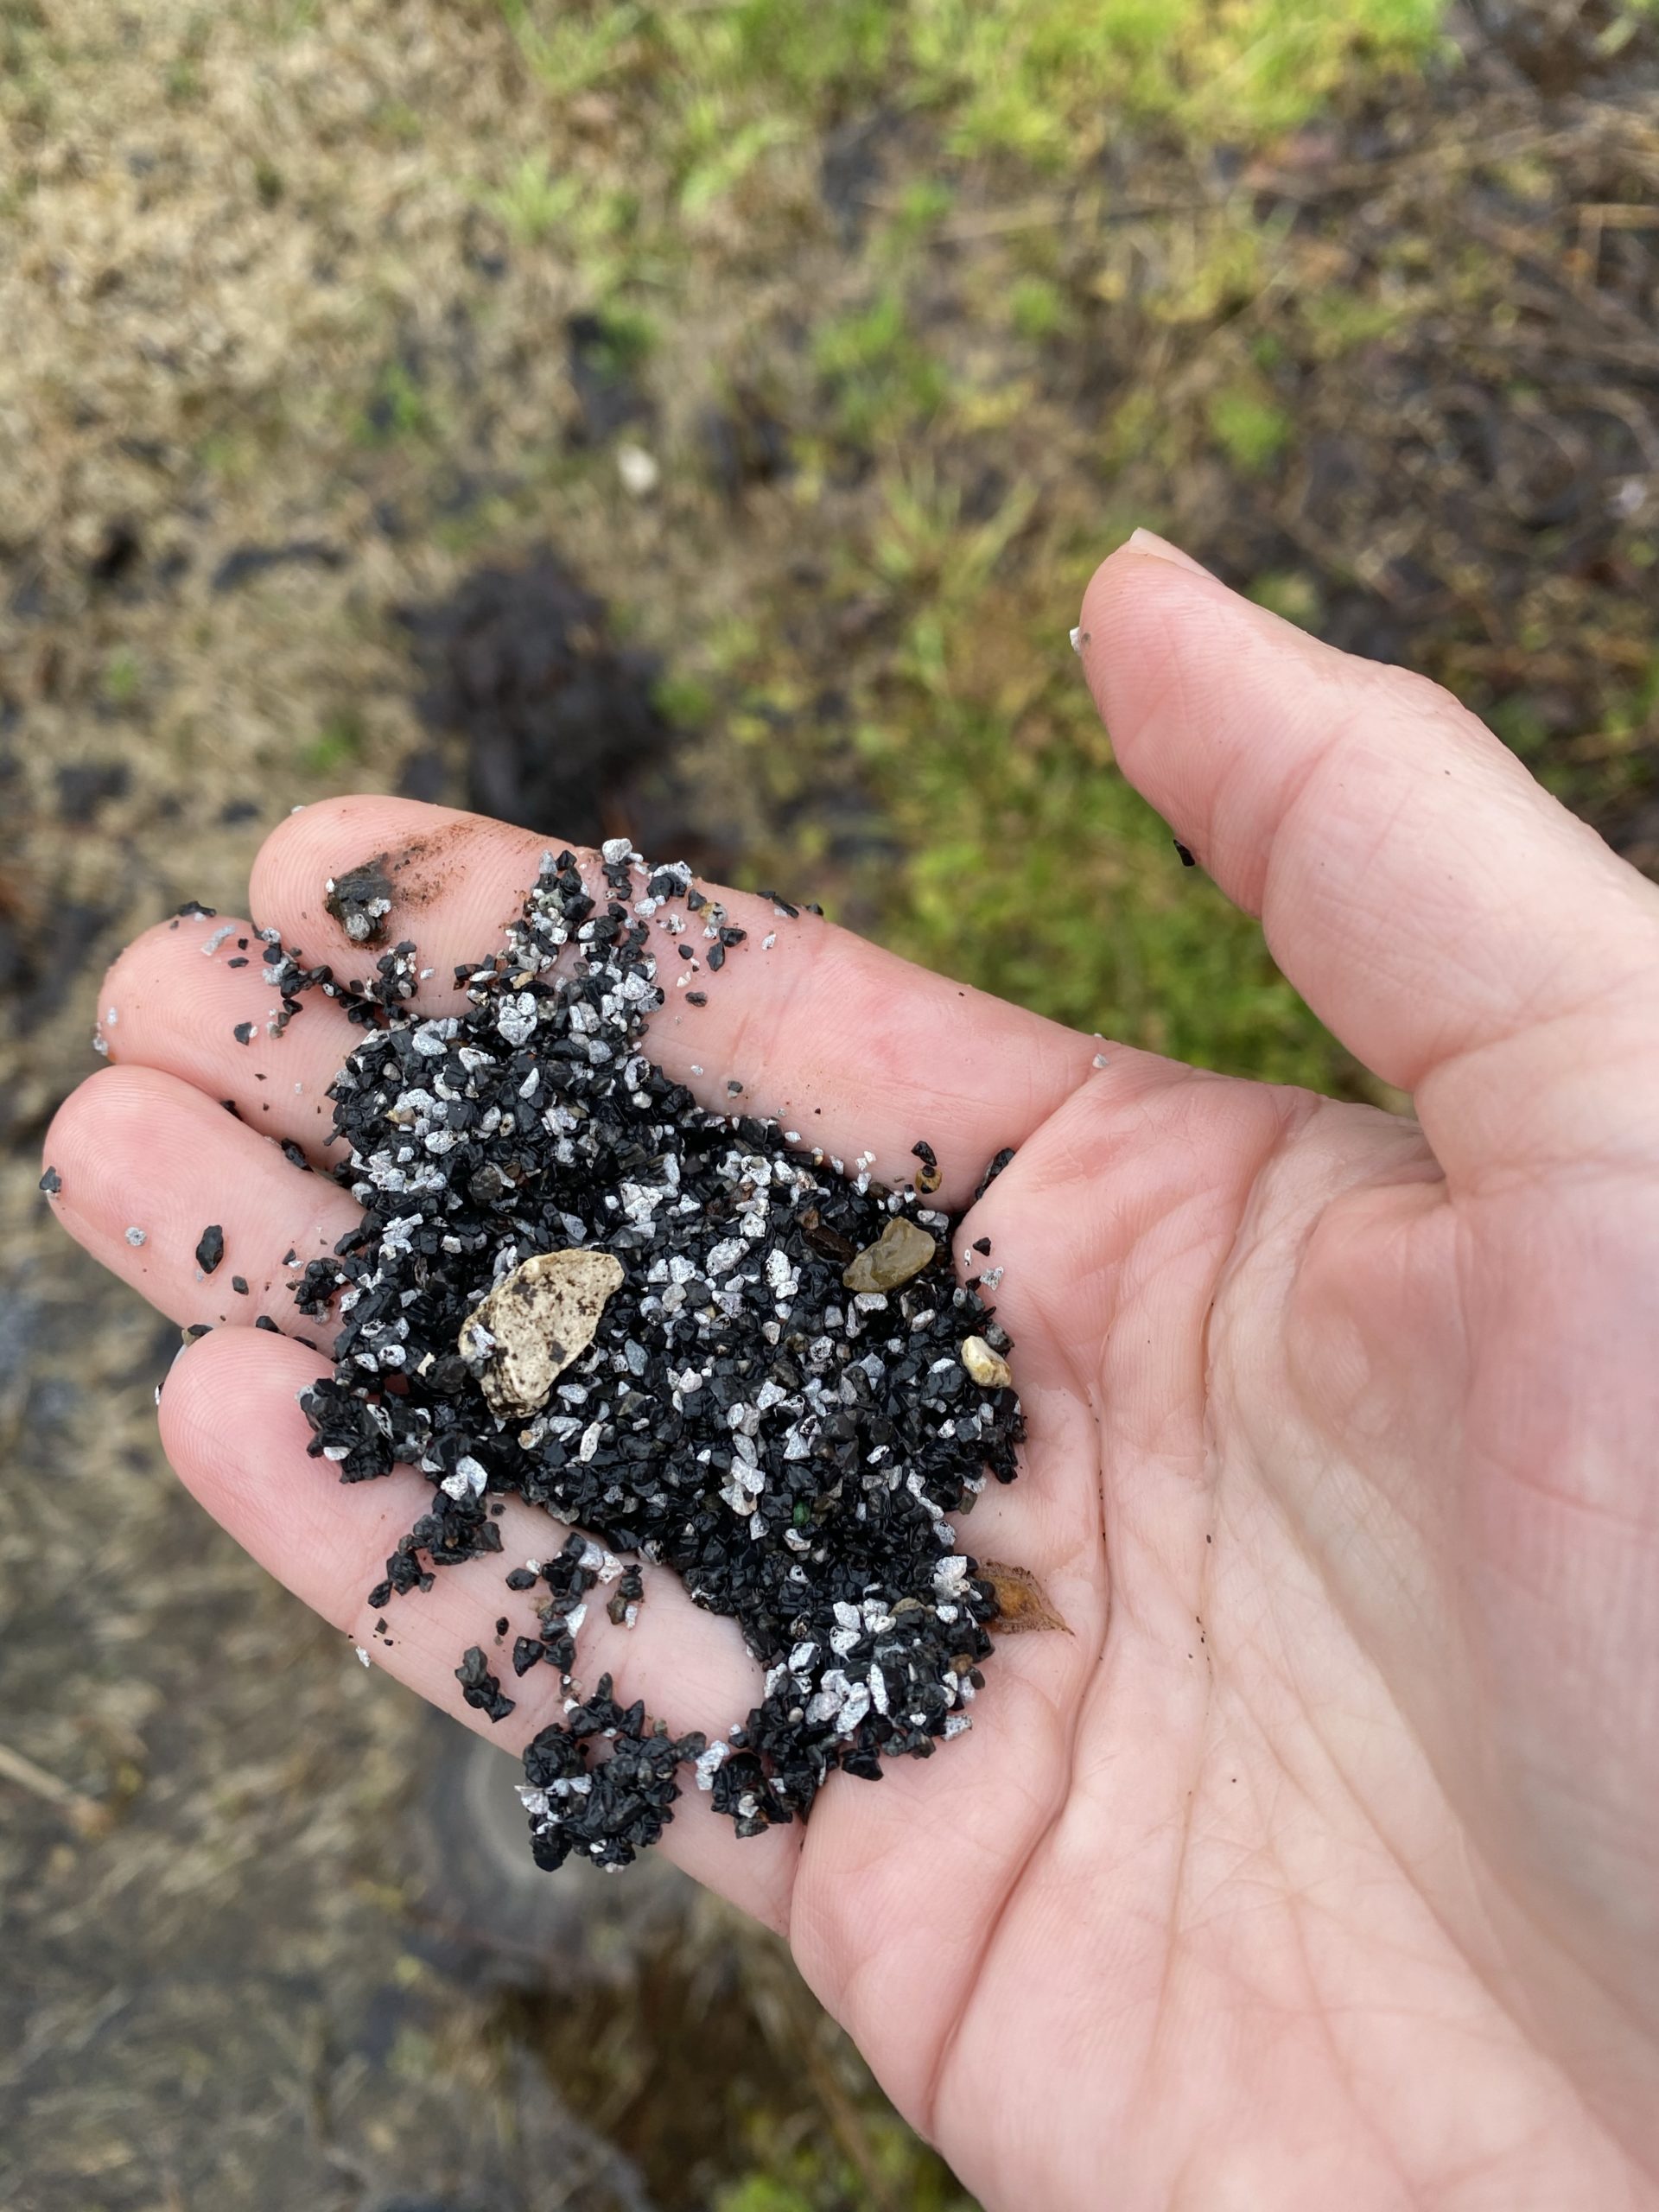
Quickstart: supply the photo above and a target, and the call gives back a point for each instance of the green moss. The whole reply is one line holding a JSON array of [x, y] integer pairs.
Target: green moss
[[1252, 432], [123, 679], [1292, 593], [336, 746], [1338, 321], [1038, 310]]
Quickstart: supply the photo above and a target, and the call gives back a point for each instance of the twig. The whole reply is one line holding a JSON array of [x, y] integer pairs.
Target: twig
[[86, 1815]]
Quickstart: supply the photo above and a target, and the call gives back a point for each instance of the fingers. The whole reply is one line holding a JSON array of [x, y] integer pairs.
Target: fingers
[[207, 1021], [1435, 907], [233, 1427], [147, 1164], [854, 1048]]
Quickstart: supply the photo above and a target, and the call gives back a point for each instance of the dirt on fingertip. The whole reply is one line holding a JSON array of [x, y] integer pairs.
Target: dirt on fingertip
[[360, 900]]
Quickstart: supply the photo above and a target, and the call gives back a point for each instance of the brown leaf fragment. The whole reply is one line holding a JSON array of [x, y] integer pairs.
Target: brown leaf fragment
[[1022, 1603]]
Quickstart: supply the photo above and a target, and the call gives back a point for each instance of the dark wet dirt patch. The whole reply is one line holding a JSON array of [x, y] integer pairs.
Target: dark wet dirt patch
[[559, 722]]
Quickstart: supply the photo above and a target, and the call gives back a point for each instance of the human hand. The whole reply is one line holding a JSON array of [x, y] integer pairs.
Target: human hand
[[1318, 1864]]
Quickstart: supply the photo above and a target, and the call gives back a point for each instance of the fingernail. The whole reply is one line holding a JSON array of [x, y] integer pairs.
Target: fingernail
[[1148, 541]]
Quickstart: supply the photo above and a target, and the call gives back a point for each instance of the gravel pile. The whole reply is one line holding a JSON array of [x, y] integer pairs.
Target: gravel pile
[[690, 1335]]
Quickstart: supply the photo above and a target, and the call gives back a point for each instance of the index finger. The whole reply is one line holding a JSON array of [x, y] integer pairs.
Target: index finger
[[847, 1046]]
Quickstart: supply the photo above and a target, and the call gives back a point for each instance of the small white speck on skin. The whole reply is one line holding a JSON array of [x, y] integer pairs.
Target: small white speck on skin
[[1099, 1060], [137, 1236], [111, 1015], [1077, 640], [361, 1654], [210, 944], [769, 940]]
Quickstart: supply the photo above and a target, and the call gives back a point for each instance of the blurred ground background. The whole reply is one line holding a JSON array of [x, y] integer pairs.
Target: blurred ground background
[[698, 419]]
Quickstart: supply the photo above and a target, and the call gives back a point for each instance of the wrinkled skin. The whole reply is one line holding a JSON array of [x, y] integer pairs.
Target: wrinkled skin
[[1316, 1866]]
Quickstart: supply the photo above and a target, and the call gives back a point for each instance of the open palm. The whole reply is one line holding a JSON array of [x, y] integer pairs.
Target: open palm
[[1318, 1864]]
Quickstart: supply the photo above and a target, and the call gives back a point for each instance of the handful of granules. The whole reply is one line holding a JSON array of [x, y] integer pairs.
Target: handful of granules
[[689, 1335]]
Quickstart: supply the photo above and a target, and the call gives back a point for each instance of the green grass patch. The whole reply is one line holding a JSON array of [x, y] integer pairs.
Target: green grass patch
[[1250, 430], [337, 745], [397, 409], [1037, 873], [1049, 80], [880, 378], [123, 679]]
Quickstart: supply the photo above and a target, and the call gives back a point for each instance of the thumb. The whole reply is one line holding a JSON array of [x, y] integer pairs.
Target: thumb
[[1457, 928]]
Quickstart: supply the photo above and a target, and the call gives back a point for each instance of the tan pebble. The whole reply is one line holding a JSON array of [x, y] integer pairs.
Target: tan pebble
[[534, 1323], [901, 1251], [986, 1367]]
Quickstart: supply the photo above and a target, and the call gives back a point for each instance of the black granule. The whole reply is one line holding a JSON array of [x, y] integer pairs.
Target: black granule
[[192, 909], [51, 1182], [1187, 860], [240, 961], [210, 1248], [991, 1173], [982, 1245], [788, 1446], [199, 1329], [480, 1687], [239, 1284], [294, 1154], [697, 998], [360, 901], [243, 1033], [264, 1321]]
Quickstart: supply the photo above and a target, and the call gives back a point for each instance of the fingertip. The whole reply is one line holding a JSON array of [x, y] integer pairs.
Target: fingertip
[[229, 1414], [333, 826], [1146, 580], [1176, 661], [453, 882], [108, 1113]]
